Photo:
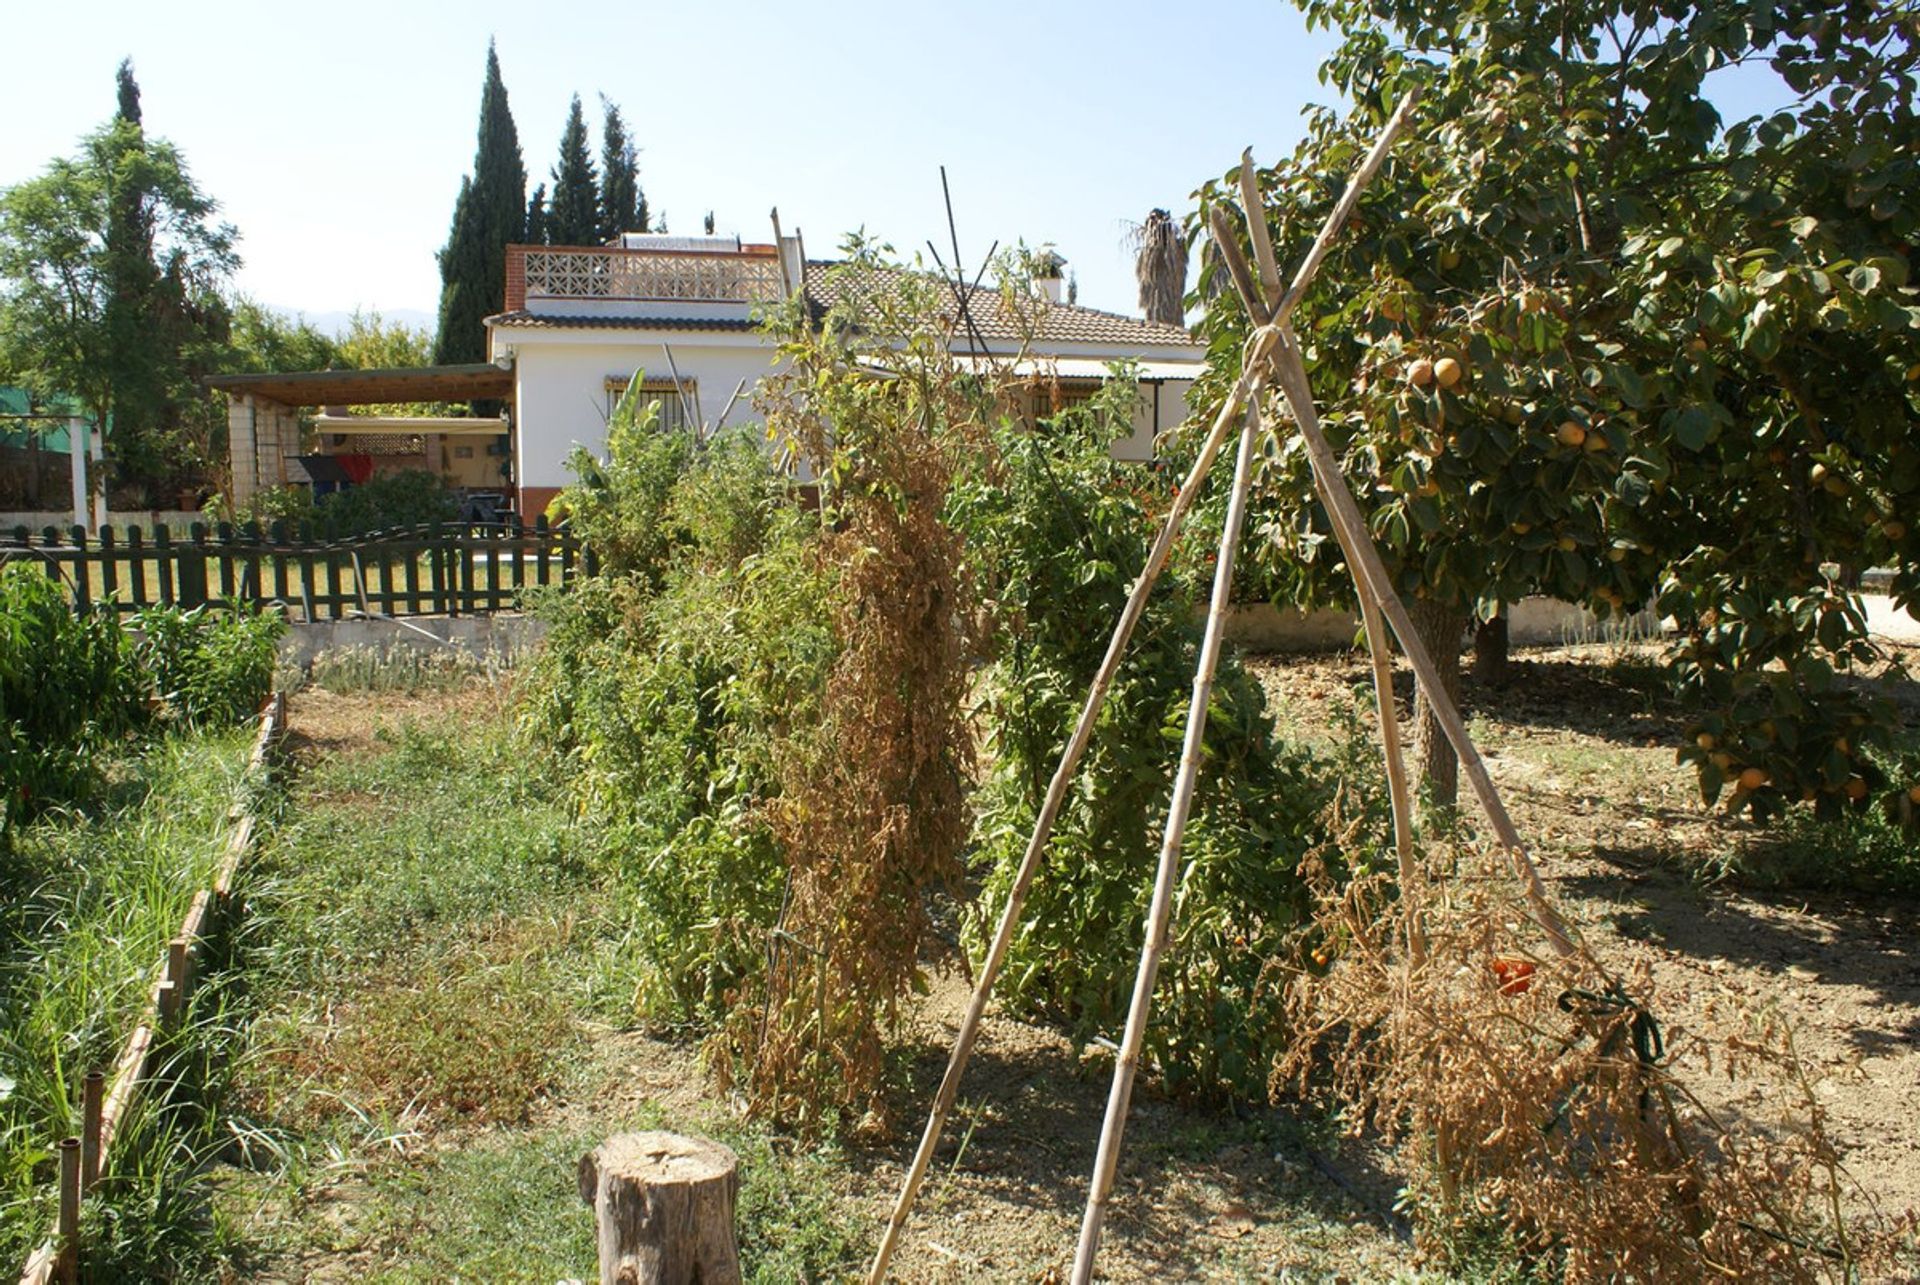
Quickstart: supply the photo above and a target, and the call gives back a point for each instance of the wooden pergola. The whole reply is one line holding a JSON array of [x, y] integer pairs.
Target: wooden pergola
[[264, 410]]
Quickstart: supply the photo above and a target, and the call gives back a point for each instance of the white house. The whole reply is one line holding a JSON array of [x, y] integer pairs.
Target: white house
[[580, 321]]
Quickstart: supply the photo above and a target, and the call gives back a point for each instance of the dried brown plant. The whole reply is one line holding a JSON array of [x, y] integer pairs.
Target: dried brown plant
[[872, 810], [1540, 1099]]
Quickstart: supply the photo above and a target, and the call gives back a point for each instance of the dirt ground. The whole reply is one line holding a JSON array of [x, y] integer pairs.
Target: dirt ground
[[1582, 750]]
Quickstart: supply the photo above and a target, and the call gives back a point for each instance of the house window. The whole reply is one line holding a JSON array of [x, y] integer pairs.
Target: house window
[[1050, 397], [673, 411]]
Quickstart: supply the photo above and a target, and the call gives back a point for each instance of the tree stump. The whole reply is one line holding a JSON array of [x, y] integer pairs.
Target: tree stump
[[664, 1204]]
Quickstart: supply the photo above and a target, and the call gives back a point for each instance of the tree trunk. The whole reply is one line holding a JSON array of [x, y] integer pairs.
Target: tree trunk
[[664, 1205], [1490, 650], [1440, 628]]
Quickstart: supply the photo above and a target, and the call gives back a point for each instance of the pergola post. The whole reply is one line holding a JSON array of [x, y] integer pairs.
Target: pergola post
[[243, 466]]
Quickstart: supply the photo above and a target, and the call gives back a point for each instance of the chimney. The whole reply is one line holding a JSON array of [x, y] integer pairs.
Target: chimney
[[1049, 270]]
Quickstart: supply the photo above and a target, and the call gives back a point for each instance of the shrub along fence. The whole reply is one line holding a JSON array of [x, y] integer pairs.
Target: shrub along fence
[[442, 569]]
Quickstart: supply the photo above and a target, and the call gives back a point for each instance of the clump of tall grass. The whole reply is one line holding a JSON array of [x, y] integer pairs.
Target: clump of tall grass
[[404, 668], [87, 904]]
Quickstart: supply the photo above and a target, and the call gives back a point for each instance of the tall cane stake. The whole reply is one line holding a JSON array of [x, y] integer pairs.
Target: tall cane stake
[[1160, 915]]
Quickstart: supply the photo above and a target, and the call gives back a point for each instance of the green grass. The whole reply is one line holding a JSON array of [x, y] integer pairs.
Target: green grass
[[88, 900], [440, 950]]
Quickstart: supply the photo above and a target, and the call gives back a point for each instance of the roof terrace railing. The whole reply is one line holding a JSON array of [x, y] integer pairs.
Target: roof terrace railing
[[569, 273]]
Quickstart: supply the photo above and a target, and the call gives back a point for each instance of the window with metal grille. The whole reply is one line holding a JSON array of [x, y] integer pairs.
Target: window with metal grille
[[673, 410]]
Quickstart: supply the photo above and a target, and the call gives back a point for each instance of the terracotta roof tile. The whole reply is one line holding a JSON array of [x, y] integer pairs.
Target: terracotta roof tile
[[1055, 322]]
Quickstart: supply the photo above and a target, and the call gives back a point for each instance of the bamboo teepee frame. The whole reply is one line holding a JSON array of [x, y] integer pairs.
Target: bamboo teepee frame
[[1272, 355]]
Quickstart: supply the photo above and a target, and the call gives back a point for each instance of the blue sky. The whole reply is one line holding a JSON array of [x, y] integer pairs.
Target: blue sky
[[335, 136]]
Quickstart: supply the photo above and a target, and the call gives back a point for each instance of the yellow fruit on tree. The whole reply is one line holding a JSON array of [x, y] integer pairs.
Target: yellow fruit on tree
[[1752, 778], [1595, 443], [1570, 434], [1566, 544], [1449, 260], [1894, 529], [1704, 740], [1722, 760], [1914, 794], [1420, 374], [1447, 372], [1856, 788]]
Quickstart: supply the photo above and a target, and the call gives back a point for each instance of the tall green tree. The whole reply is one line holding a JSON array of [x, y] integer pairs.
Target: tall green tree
[[536, 233], [489, 214], [111, 269], [1587, 339], [623, 206], [261, 339], [573, 216]]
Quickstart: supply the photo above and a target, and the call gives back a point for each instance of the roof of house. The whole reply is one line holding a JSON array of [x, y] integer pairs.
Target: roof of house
[[987, 309]]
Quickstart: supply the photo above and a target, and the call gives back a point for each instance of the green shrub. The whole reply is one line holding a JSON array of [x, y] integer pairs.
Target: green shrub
[[404, 499], [211, 666], [1060, 533], [66, 687], [664, 687]]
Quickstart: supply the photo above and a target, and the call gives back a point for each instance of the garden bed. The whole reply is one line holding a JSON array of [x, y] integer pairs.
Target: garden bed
[[90, 900], [445, 1020]]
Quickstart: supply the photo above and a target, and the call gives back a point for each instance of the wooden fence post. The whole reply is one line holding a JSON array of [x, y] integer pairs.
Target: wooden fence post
[[92, 1094], [66, 1265], [82, 595]]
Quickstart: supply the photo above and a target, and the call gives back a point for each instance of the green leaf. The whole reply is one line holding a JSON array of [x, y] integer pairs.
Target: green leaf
[[1864, 278], [1692, 428], [1672, 246]]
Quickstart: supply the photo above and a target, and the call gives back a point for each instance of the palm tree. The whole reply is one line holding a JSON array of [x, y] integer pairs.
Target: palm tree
[[1160, 266]]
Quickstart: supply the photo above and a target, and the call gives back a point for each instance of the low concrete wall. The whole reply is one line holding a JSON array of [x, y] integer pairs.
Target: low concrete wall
[[1532, 622], [176, 520], [500, 634]]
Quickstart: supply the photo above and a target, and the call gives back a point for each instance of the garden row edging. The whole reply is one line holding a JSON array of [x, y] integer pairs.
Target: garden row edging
[[83, 1160]]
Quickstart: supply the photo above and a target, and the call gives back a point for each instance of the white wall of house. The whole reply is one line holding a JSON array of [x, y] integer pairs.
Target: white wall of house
[[560, 378]]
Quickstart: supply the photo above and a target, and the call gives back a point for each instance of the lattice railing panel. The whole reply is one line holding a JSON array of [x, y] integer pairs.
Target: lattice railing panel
[[628, 274]]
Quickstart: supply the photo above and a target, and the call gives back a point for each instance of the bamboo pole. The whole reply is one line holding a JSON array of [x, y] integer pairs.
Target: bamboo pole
[[1030, 861], [1255, 209], [1160, 914], [1399, 789], [1258, 348], [1260, 305], [1291, 373]]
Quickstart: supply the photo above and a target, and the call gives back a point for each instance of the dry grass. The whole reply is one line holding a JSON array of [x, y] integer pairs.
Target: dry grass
[[1539, 1098]]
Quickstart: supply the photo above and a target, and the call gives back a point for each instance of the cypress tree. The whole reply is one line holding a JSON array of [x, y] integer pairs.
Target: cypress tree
[[537, 216], [573, 216], [623, 206], [490, 213]]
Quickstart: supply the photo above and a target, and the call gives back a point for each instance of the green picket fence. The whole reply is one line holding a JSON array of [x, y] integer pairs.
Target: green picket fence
[[445, 569]]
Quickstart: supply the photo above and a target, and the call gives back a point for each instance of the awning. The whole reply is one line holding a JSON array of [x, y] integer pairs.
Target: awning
[[473, 382], [1151, 372]]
